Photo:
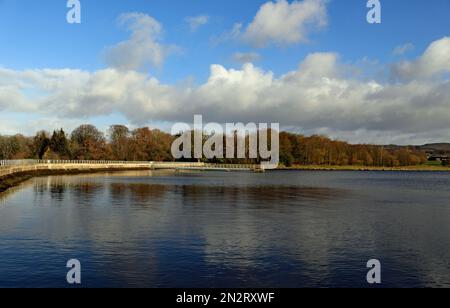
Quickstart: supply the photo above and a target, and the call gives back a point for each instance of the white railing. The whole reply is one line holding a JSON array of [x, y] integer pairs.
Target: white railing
[[157, 165], [28, 162], [234, 166]]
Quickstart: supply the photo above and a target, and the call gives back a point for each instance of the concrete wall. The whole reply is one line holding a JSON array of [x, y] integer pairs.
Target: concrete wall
[[69, 167], [14, 167], [29, 166]]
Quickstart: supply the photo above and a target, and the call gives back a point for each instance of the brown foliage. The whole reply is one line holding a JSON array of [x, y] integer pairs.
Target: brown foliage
[[143, 144]]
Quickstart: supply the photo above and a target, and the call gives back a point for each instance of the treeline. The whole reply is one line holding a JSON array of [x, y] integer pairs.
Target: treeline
[[88, 143], [143, 144], [320, 150]]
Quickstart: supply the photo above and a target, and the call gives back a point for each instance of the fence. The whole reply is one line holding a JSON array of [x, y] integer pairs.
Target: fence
[[29, 162], [235, 166], [8, 167]]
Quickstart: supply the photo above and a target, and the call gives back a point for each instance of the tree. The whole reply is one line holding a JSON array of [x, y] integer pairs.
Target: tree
[[16, 147], [119, 137], [141, 142], [151, 145], [286, 149], [88, 143], [60, 145], [161, 146], [41, 144]]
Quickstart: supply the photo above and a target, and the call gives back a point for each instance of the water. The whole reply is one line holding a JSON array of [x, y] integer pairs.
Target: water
[[278, 229]]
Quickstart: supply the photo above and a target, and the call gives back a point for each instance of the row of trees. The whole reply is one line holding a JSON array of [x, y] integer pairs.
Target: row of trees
[[88, 143], [320, 150], [143, 144]]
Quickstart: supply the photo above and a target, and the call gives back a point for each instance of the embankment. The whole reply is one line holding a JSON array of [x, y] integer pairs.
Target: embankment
[[365, 168], [14, 175]]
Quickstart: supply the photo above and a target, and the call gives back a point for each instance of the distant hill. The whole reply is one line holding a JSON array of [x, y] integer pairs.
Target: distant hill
[[433, 148], [436, 148]]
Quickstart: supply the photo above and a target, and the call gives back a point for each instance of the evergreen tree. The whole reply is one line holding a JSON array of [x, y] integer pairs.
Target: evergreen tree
[[59, 144], [41, 143]]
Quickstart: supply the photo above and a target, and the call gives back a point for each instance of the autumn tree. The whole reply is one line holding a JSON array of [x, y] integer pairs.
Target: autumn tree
[[88, 143], [151, 145], [16, 147], [119, 136]]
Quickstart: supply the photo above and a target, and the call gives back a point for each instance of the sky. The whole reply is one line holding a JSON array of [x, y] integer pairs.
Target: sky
[[314, 66]]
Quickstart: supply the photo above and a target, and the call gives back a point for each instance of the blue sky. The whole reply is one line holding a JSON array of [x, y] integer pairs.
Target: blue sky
[[34, 35]]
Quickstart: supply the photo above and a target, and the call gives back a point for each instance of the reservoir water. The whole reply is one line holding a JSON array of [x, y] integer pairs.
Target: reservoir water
[[188, 229]]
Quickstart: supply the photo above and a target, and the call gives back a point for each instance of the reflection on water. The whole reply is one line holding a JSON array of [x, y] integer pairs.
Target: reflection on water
[[279, 229], [264, 195]]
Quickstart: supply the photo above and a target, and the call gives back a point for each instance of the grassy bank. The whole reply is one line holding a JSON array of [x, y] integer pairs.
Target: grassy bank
[[6, 182], [366, 168]]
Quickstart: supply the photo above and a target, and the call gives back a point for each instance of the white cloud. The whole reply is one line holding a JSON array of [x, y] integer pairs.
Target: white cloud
[[144, 49], [10, 126], [246, 57], [284, 23], [316, 97], [435, 61], [196, 22], [402, 49]]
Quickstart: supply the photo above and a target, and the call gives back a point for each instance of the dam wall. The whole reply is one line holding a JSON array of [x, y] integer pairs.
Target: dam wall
[[12, 167]]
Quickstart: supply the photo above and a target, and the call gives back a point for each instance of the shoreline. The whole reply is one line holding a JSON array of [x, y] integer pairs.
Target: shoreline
[[365, 168], [12, 180]]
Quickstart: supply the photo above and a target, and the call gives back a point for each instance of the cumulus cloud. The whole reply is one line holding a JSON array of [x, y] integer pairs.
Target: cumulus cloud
[[30, 124], [435, 61], [284, 23], [196, 22], [246, 57], [317, 97], [143, 49]]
